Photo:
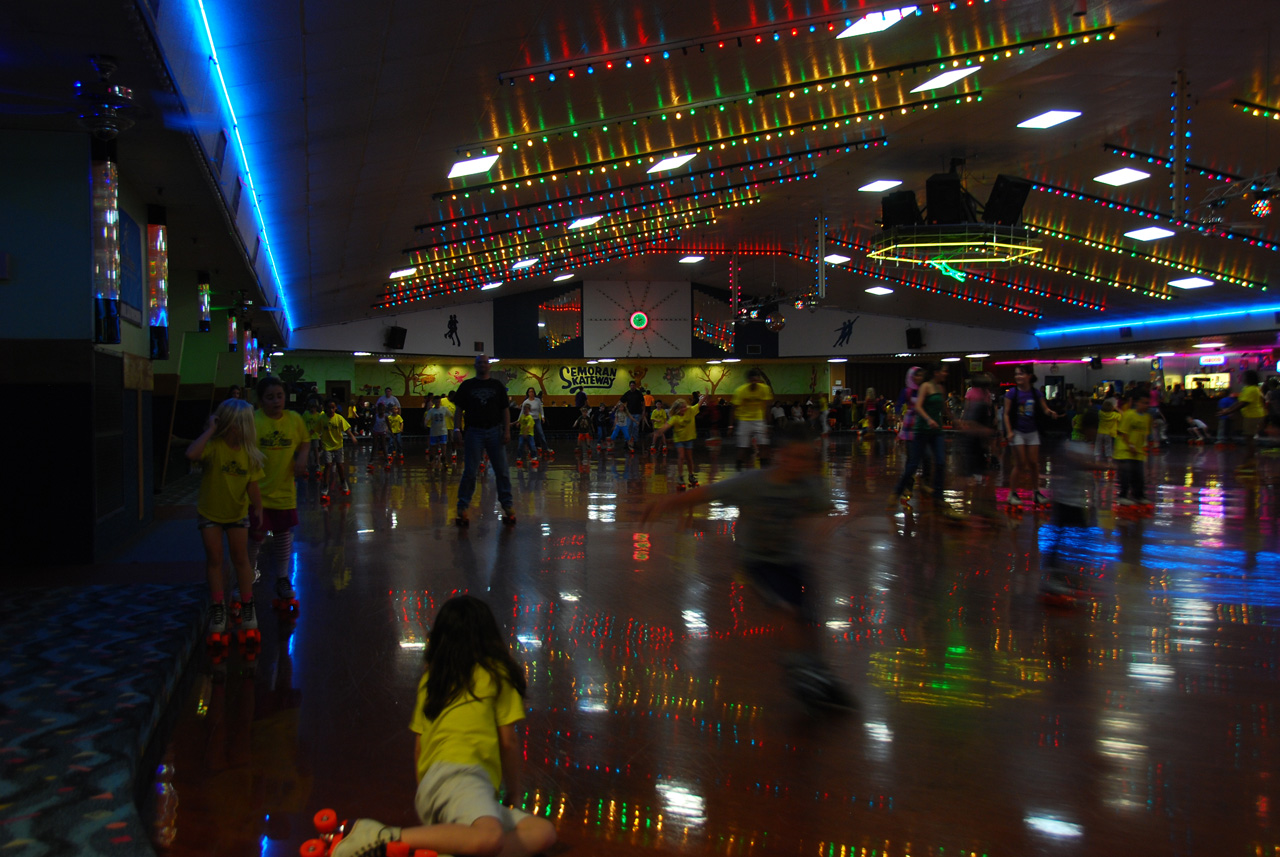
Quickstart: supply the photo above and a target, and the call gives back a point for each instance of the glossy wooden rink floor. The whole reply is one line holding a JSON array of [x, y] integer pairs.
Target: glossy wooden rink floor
[[1142, 722]]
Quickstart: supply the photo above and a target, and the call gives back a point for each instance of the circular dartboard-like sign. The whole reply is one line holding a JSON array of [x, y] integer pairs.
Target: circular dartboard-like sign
[[639, 321]]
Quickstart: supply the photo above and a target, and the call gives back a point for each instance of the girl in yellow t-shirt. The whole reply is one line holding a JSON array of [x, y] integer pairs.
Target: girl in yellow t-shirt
[[228, 451], [681, 423], [470, 698]]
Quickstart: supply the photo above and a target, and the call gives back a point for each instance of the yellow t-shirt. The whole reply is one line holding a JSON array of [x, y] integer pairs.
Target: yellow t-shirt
[[658, 416], [315, 423], [331, 434], [683, 426], [466, 731], [395, 424], [750, 404], [1131, 438], [1251, 396], [1108, 422], [453, 411], [279, 441], [224, 486], [526, 425]]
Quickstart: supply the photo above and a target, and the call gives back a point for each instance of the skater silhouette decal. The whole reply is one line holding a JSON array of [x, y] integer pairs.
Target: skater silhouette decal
[[846, 330], [452, 333]]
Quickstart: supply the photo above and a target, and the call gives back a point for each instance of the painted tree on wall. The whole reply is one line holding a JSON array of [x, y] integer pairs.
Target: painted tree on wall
[[506, 376], [673, 376], [410, 373], [712, 376], [540, 378]]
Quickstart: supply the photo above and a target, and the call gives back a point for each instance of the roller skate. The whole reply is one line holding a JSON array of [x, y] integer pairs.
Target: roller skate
[[324, 497], [248, 635], [346, 492], [1013, 503], [1056, 590], [370, 465], [216, 637], [533, 463], [951, 513], [693, 481], [463, 519], [509, 516], [286, 600], [1040, 501], [679, 486], [363, 837], [520, 463], [549, 452]]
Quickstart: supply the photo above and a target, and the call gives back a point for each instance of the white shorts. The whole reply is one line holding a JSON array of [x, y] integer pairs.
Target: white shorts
[[752, 429], [1025, 438], [459, 794]]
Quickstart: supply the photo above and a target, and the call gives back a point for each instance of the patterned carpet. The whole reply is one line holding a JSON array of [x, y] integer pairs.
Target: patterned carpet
[[85, 676]]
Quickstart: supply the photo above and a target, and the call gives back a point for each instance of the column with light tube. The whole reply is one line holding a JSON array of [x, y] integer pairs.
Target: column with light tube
[[204, 299], [105, 184], [158, 281], [233, 333]]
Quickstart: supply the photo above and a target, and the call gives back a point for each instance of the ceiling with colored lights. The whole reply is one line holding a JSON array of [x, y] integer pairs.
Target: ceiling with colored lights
[[609, 140]]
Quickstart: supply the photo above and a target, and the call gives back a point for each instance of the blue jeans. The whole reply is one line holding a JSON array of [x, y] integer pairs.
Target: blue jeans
[[936, 446], [394, 444], [476, 441], [539, 435]]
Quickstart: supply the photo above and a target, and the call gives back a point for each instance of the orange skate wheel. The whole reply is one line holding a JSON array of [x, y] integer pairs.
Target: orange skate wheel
[[326, 821], [312, 848]]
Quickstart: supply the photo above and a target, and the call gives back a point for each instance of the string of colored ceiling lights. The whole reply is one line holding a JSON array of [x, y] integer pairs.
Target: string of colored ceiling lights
[[1160, 161], [1067, 193], [1095, 244], [577, 170]]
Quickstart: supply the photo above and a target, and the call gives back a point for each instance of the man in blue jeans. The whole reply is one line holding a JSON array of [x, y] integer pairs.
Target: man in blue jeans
[[486, 427]]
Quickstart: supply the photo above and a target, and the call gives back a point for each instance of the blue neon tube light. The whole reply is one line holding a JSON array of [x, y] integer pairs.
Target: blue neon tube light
[[1157, 319], [244, 159]]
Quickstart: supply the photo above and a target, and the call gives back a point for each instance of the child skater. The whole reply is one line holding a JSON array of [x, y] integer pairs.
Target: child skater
[[1108, 425], [379, 434], [1072, 473], [1131, 451], [439, 426], [315, 421], [526, 425], [682, 423], [470, 697], [335, 426], [658, 417], [621, 425], [1197, 430], [395, 428], [773, 505], [582, 425], [232, 463], [284, 441]]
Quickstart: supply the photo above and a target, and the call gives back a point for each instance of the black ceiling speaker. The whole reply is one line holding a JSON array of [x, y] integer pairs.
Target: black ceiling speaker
[[900, 209], [946, 200], [1008, 196], [915, 339], [394, 337], [1095, 362]]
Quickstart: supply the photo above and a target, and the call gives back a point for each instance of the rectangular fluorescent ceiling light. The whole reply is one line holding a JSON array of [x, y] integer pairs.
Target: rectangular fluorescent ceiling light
[[1126, 356], [487, 286], [1115, 178], [386, 360], [837, 359], [876, 22], [1049, 119], [1166, 354], [1209, 345], [879, 185], [689, 260], [731, 360], [473, 166], [671, 163], [982, 354], [605, 360], [586, 221], [525, 263], [542, 324], [563, 277], [403, 272], [1151, 233], [835, 259], [950, 359], [947, 77], [1191, 283], [361, 353], [878, 290]]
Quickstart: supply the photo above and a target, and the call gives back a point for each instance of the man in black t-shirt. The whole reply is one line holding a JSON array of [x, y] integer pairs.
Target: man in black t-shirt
[[634, 400], [486, 427]]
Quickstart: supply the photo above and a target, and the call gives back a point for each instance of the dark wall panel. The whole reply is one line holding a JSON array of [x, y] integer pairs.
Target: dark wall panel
[[515, 326]]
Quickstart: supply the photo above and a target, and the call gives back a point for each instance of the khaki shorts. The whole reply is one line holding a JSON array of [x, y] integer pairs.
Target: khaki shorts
[[1252, 426], [459, 794]]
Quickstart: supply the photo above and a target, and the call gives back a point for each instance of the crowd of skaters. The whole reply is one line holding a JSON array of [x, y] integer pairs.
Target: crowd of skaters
[[470, 695]]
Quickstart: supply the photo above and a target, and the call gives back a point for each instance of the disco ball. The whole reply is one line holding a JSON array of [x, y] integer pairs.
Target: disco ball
[[775, 322]]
